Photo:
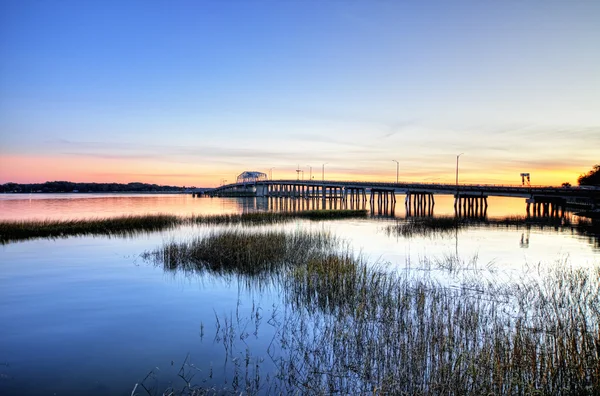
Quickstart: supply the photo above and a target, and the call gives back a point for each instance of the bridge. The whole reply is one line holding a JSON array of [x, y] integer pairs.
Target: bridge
[[547, 200]]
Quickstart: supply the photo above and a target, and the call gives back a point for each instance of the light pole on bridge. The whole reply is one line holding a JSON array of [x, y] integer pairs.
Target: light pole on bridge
[[397, 169], [271, 173], [310, 174], [457, 157], [323, 172]]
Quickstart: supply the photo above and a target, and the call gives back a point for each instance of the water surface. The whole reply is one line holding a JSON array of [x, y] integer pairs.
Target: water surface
[[87, 315]]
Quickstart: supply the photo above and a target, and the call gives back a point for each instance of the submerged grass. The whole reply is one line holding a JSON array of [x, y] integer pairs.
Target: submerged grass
[[131, 225], [348, 327]]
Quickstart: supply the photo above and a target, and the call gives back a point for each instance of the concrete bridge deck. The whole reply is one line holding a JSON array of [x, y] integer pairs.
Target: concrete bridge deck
[[267, 187]]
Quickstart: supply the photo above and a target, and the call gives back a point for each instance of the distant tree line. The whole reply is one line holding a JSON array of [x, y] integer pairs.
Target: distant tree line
[[592, 178], [69, 187]]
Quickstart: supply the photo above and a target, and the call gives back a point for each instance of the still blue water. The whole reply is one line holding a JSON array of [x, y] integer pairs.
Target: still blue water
[[87, 315]]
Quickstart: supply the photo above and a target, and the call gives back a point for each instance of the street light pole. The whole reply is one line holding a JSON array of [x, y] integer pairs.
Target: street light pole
[[323, 171], [271, 173], [457, 157], [397, 169], [310, 175]]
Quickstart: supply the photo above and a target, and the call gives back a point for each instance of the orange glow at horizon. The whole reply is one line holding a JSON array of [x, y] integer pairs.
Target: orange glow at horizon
[[39, 169]]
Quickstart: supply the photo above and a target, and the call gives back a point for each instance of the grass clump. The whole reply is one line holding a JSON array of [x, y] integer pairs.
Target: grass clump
[[241, 251]]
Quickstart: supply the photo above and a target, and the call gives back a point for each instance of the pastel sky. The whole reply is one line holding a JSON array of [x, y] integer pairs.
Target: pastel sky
[[195, 92]]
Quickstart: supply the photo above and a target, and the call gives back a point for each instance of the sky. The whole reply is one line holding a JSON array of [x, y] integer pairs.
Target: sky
[[195, 92]]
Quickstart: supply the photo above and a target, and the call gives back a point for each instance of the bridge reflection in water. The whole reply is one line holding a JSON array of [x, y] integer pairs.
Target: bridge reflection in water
[[286, 204], [385, 205]]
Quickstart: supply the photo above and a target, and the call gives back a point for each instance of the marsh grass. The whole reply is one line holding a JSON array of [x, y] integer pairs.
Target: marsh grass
[[348, 327], [402, 335], [117, 226], [241, 251], [277, 217], [132, 225], [446, 225], [426, 226]]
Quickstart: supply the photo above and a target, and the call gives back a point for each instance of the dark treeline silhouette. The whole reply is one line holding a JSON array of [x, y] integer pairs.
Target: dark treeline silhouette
[[592, 178], [68, 187]]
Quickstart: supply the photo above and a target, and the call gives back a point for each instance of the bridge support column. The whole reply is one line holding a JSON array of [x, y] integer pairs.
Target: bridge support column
[[355, 196], [470, 205], [262, 190], [546, 206], [419, 203], [386, 201]]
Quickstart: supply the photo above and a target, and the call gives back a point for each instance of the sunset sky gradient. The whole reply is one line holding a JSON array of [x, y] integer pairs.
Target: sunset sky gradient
[[194, 92]]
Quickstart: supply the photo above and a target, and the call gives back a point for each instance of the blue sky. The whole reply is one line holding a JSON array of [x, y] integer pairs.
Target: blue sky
[[191, 92]]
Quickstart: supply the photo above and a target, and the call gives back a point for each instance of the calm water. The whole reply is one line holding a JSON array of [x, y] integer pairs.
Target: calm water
[[87, 315]]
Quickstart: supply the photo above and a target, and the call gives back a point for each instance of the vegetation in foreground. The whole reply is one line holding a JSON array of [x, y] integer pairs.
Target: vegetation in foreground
[[131, 225], [240, 251], [352, 328]]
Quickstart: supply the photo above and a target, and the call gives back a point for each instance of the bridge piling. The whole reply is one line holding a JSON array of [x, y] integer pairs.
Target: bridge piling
[[546, 206], [419, 203], [382, 199], [468, 205]]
